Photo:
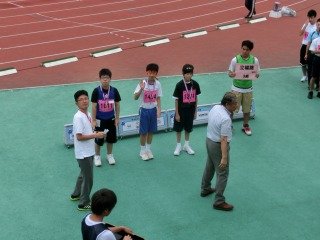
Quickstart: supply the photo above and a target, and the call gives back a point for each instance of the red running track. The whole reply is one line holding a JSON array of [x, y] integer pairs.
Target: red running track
[[36, 31]]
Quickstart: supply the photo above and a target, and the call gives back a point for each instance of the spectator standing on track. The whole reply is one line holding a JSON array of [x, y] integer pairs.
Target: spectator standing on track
[[150, 92], [84, 150], [92, 225], [315, 49], [307, 29], [310, 56], [186, 101], [105, 114], [251, 6], [243, 88], [219, 135]]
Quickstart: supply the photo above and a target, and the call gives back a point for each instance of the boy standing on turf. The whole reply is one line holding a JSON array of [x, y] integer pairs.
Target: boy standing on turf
[[149, 91], [243, 87], [84, 150], [186, 101], [105, 114]]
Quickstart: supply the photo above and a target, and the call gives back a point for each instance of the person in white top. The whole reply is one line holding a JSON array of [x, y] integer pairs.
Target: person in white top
[[84, 150], [150, 92], [219, 134], [315, 49], [308, 27], [92, 225]]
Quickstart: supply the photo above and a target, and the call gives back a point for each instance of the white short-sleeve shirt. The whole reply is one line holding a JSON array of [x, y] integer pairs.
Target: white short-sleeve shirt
[[307, 32], [219, 124], [82, 124], [315, 46], [149, 87]]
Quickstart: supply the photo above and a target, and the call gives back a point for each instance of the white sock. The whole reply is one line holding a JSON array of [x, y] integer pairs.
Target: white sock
[[109, 155], [142, 149], [179, 144], [186, 143], [148, 147]]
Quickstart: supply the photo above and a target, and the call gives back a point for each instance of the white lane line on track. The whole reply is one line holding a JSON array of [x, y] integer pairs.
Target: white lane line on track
[[68, 9], [15, 4], [40, 5], [100, 5], [98, 23], [125, 30], [111, 45]]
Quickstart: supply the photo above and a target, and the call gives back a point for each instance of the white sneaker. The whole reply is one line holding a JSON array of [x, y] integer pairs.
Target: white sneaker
[[304, 78], [177, 150], [97, 160], [111, 159], [150, 155], [144, 156], [188, 149]]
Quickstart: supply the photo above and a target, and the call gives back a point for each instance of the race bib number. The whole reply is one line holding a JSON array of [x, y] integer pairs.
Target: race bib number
[[106, 105], [150, 96], [305, 35], [189, 96], [246, 71]]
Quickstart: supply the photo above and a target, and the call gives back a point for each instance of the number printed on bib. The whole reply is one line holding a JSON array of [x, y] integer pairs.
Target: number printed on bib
[[189, 96], [106, 105], [150, 96]]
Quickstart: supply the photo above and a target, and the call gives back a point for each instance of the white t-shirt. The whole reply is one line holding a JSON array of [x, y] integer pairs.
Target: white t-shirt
[[82, 124], [309, 29], [148, 97], [315, 45], [219, 124], [105, 235]]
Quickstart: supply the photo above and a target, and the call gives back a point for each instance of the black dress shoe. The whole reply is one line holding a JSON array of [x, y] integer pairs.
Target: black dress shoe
[[207, 192], [223, 206]]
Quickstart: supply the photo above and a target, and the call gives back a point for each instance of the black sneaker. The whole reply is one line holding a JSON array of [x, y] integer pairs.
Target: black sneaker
[[318, 94], [74, 197], [86, 207], [310, 95]]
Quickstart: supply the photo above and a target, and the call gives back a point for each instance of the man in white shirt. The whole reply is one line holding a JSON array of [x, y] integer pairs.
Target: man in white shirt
[[84, 150], [219, 134]]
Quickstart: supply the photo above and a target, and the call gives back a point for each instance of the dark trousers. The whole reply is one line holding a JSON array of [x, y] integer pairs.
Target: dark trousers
[[310, 63], [84, 181], [250, 5]]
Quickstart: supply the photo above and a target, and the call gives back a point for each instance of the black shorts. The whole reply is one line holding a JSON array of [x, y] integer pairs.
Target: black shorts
[[316, 67], [303, 49], [186, 120], [111, 135]]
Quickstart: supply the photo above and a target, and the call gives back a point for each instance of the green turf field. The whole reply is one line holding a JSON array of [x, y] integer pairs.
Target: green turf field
[[274, 174]]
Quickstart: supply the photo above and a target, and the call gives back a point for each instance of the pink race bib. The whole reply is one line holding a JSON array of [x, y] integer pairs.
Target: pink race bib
[[106, 105], [150, 96], [189, 96], [305, 35]]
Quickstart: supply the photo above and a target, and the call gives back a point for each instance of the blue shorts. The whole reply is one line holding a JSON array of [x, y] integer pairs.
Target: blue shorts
[[148, 120]]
